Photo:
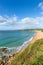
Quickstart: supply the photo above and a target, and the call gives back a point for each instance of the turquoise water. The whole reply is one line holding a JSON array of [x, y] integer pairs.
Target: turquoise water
[[14, 39]]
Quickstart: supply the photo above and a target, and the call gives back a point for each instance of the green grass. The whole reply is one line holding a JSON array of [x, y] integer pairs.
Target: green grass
[[32, 55]]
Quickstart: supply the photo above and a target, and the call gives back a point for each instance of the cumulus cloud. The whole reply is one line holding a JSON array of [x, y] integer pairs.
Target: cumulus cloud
[[15, 23], [8, 20], [29, 20]]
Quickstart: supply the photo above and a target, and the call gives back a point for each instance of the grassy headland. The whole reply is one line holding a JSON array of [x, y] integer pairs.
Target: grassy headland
[[32, 55]]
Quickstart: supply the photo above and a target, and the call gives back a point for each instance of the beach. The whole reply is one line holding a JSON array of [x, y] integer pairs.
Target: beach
[[38, 35]]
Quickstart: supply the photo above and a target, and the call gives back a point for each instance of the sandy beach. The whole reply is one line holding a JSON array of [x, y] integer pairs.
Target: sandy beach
[[38, 35]]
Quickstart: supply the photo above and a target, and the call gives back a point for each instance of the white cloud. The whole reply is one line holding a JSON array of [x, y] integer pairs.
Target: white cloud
[[8, 20], [40, 5], [2, 19], [15, 23], [30, 21]]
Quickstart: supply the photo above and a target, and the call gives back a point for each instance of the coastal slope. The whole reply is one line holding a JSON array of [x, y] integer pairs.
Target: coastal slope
[[32, 54]]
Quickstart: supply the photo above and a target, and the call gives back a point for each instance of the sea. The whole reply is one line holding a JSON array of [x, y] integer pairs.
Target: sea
[[13, 40]]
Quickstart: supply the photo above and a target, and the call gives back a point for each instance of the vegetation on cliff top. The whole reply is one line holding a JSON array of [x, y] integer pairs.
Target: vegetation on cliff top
[[32, 55]]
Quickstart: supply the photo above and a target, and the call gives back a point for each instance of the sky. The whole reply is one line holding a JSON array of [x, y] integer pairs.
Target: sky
[[21, 14]]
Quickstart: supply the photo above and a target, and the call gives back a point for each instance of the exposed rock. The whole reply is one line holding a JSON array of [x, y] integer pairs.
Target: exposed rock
[[4, 60], [3, 50]]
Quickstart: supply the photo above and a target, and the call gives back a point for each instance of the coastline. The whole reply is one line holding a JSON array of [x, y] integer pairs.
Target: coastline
[[25, 44], [9, 51], [38, 35], [4, 50]]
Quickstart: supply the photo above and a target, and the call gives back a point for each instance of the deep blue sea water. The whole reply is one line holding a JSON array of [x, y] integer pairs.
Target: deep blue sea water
[[14, 39]]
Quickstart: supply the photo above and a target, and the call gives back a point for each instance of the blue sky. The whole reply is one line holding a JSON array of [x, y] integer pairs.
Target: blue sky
[[21, 14]]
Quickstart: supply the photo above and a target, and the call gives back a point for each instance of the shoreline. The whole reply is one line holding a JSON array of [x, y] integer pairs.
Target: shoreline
[[38, 35], [25, 44], [5, 49], [14, 49]]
